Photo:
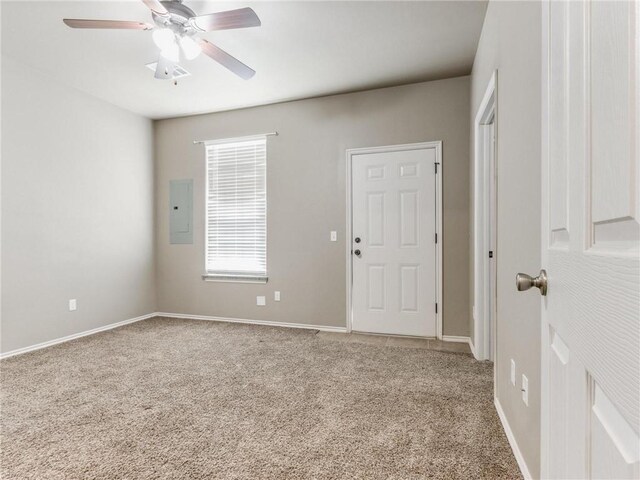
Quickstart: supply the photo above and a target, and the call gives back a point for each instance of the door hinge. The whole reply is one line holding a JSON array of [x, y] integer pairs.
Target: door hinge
[[436, 307], [436, 165], [490, 253], [436, 238]]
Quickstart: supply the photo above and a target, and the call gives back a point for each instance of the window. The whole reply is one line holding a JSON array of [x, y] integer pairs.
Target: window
[[236, 238]]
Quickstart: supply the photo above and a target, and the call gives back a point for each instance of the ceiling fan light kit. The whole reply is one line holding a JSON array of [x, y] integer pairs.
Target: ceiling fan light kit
[[190, 48], [176, 31], [163, 37]]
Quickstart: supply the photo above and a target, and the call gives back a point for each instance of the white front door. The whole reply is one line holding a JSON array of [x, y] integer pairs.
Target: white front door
[[394, 241], [591, 241]]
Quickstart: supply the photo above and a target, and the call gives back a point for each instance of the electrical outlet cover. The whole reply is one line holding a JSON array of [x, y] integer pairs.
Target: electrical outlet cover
[[525, 390], [73, 305], [261, 301], [513, 372], [276, 296]]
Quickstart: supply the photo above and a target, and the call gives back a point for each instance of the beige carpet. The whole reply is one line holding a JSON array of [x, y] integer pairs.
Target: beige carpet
[[169, 398]]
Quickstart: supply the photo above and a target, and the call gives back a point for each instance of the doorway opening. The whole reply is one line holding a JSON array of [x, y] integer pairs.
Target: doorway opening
[[394, 240], [485, 225]]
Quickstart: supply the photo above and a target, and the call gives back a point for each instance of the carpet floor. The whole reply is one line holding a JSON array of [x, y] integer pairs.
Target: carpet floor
[[166, 398]]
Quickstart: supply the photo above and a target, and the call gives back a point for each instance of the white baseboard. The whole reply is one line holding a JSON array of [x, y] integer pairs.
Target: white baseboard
[[253, 322], [512, 441], [93, 331], [473, 349], [455, 338]]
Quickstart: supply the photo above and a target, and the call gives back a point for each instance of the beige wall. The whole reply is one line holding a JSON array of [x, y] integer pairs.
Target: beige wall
[[510, 43], [77, 210], [306, 198]]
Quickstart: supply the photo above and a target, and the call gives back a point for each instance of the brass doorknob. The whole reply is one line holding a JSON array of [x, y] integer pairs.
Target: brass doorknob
[[525, 282]]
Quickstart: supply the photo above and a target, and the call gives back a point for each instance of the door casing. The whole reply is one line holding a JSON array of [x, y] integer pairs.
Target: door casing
[[485, 227], [352, 152]]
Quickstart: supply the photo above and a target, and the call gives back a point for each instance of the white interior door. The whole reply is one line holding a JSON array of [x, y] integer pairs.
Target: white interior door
[[394, 228], [591, 241]]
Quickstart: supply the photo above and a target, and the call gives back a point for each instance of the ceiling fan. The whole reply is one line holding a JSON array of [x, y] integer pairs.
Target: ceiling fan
[[175, 31]]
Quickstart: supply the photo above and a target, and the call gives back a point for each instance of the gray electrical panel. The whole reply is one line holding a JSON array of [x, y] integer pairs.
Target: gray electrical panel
[[181, 211]]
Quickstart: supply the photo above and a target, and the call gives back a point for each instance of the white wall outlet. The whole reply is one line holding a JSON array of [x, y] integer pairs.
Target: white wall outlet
[[73, 305], [334, 236], [276, 296], [525, 390], [261, 300], [513, 372]]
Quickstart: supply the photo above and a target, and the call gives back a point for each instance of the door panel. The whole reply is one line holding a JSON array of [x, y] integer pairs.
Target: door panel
[[613, 127], [376, 223], [567, 381], [409, 294], [394, 215], [558, 126], [613, 441], [377, 287], [409, 219], [591, 248]]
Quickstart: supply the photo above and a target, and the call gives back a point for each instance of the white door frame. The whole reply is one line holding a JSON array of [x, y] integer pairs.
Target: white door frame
[[485, 226], [437, 145]]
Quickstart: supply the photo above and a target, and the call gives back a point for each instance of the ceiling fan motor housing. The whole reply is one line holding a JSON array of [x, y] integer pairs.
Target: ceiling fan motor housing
[[177, 19]]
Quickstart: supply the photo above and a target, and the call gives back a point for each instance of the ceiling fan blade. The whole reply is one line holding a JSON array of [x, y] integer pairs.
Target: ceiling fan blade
[[226, 60], [156, 7], [241, 18], [117, 24], [164, 70]]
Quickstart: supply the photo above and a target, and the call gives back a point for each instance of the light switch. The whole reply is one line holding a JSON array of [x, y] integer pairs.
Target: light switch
[[261, 301], [334, 236], [73, 305], [276, 296]]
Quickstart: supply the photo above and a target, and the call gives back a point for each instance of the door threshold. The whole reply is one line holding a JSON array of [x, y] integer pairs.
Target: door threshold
[[385, 340], [392, 335]]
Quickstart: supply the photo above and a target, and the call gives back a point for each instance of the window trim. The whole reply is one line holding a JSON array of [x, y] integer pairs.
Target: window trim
[[232, 277], [218, 277], [248, 138]]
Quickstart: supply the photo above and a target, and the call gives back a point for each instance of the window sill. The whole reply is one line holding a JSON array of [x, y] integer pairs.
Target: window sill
[[214, 277]]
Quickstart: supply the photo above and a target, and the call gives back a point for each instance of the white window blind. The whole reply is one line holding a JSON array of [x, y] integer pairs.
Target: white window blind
[[237, 208]]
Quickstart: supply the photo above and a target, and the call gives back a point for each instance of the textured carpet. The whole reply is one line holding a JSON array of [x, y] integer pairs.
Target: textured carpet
[[168, 398]]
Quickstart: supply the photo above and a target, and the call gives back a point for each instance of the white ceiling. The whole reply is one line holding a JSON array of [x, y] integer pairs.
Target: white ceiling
[[303, 49]]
